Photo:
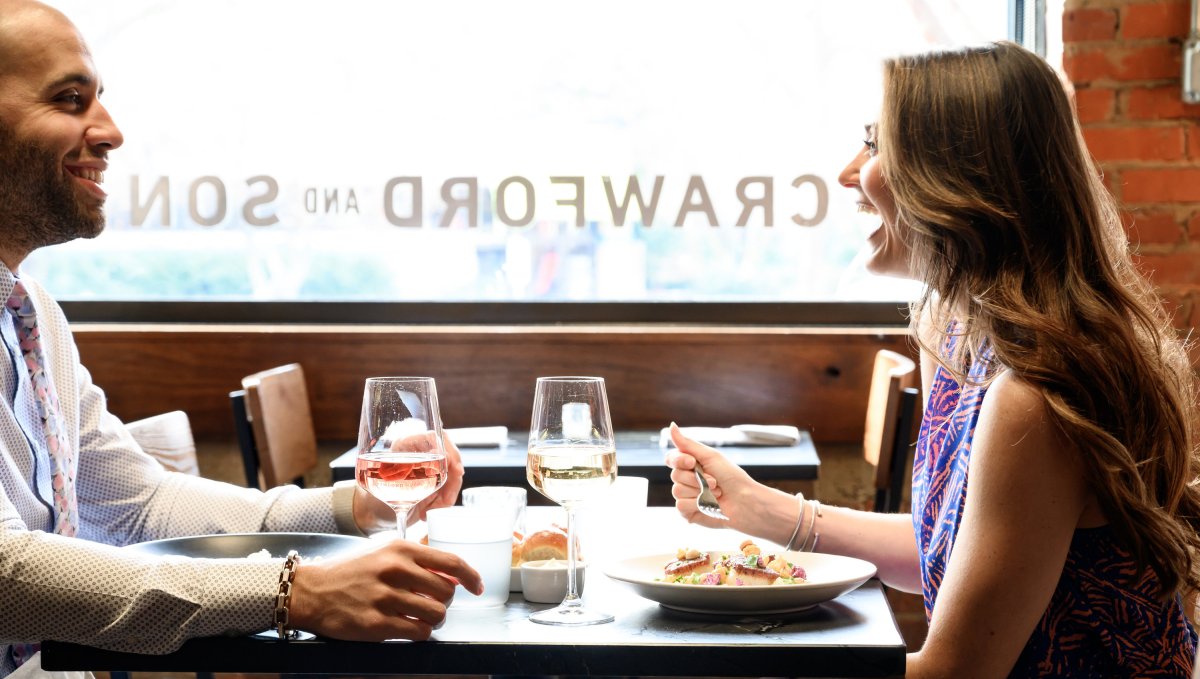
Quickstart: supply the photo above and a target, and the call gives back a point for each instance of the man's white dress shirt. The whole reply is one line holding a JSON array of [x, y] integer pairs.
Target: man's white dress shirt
[[88, 590]]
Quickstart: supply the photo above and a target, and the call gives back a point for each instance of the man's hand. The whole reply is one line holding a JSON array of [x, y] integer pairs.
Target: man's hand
[[398, 590]]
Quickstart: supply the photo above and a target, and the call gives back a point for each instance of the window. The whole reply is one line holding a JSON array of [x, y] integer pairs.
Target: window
[[470, 151]]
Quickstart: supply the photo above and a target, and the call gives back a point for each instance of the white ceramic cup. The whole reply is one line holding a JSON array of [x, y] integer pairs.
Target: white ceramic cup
[[509, 499], [484, 540], [608, 521], [628, 492], [545, 582]]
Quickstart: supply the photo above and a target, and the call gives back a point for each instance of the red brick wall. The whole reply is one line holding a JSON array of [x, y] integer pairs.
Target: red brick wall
[[1124, 57]]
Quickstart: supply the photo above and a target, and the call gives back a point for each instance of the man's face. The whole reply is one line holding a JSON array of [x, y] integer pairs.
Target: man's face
[[54, 133]]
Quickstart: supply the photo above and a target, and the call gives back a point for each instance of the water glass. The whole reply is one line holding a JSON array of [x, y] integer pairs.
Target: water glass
[[501, 499], [483, 539]]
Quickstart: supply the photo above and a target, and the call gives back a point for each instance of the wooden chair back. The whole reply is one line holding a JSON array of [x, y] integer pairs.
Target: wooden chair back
[[168, 439], [280, 418], [893, 407]]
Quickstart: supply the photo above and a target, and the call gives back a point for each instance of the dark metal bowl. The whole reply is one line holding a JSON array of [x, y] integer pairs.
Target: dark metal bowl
[[242, 545]]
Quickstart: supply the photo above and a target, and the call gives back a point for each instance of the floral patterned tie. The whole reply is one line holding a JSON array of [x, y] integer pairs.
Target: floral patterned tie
[[62, 457]]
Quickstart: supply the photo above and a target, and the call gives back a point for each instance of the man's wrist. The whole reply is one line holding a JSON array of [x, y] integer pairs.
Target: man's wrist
[[283, 599], [343, 508]]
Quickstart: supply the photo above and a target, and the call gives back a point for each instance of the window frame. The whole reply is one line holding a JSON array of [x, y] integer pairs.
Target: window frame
[[813, 314]]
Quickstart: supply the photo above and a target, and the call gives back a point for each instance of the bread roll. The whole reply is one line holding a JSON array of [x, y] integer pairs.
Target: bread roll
[[544, 544], [516, 549]]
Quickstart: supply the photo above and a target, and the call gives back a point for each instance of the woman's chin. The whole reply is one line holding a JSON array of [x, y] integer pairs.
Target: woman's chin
[[882, 267], [883, 262]]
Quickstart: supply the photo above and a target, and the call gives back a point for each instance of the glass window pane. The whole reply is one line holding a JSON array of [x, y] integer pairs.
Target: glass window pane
[[470, 150]]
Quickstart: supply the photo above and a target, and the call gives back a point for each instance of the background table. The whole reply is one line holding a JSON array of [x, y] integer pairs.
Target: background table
[[852, 636], [638, 454]]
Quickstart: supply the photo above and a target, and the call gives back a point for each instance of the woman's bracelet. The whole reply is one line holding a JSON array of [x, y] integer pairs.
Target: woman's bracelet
[[283, 600], [815, 510], [799, 522]]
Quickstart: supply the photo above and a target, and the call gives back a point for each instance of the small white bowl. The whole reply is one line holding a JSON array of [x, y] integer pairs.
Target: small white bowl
[[545, 582]]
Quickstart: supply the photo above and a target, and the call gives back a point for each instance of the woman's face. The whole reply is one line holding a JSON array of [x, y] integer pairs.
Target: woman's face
[[889, 255]]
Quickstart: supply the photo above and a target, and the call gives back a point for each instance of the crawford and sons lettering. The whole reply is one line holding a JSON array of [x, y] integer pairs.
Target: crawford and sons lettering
[[515, 200]]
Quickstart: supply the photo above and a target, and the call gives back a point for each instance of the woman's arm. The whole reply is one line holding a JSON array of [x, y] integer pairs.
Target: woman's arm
[[1025, 499], [886, 540]]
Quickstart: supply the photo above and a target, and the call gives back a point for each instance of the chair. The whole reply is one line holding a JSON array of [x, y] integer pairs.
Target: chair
[[893, 409], [273, 421], [168, 439]]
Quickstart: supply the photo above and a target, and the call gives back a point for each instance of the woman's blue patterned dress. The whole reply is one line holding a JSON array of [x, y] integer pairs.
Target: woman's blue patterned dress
[[1104, 619]]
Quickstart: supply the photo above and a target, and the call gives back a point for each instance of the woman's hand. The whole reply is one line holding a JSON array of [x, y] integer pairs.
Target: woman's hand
[[399, 590], [740, 496], [885, 540], [373, 516]]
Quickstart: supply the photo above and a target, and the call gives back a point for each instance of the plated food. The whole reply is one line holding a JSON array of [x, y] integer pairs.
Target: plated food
[[826, 577], [747, 567]]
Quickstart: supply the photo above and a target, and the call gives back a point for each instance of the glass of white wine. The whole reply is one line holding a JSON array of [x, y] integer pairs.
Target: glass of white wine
[[572, 459], [401, 455]]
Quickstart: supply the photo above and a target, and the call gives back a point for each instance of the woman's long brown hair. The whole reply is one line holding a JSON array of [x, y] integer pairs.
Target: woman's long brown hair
[[1012, 230]]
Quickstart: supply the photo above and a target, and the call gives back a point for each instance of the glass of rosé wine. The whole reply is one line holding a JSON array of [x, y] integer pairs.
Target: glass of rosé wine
[[401, 454], [572, 459]]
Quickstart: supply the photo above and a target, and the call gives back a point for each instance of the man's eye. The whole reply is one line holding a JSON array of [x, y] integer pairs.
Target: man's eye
[[71, 97]]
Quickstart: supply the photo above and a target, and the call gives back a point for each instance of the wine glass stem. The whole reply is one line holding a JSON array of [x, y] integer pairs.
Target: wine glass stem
[[401, 521], [572, 598]]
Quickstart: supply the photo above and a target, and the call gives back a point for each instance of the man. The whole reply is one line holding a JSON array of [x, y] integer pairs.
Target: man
[[74, 485]]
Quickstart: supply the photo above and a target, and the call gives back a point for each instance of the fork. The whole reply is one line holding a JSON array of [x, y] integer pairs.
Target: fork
[[706, 502]]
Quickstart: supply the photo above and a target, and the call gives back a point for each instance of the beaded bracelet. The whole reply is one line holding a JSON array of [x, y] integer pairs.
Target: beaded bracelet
[[283, 600], [799, 521]]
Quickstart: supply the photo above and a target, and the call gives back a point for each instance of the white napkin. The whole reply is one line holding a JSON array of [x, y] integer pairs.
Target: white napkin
[[738, 435], [479, 437]]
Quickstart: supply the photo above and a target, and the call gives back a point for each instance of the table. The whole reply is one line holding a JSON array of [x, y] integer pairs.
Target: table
[[852, 636], [638, 454]]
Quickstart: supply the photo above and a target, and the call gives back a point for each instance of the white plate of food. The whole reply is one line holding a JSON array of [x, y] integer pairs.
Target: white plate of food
[[825, 577]]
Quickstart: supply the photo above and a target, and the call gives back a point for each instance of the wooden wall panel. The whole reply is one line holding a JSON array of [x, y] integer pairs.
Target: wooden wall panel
[[693, 375]]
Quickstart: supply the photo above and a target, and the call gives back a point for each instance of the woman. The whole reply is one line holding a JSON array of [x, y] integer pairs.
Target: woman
[[1053, 382]]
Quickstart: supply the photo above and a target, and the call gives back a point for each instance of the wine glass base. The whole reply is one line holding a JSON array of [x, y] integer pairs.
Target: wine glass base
[[570, 615]]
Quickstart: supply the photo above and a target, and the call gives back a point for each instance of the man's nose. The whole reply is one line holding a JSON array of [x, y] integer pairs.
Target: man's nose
[[102, 131]]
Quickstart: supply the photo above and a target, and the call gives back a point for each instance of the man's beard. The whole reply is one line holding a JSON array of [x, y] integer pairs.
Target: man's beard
[[39, 202]]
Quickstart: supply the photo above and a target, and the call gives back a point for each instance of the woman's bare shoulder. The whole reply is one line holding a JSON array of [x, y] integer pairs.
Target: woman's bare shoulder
[[1015, 418], [1012, 395]]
